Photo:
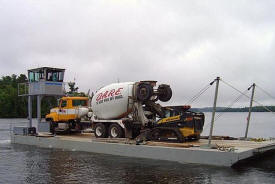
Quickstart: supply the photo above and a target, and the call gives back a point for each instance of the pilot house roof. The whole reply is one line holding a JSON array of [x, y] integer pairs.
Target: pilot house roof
[[46, 68]]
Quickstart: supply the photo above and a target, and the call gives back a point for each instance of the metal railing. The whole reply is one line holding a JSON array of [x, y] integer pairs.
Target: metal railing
[[23, 89]]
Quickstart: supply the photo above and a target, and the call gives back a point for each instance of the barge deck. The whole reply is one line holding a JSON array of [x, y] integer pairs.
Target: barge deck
[[225, 152]]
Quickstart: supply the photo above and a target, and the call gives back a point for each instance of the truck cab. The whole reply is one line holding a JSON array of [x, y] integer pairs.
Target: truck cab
[[68, 114]]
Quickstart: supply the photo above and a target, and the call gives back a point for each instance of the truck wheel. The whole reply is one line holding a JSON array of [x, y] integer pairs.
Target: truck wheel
[[115, 131], [144, 91], [52, 128], [100, 130], [165, 92]]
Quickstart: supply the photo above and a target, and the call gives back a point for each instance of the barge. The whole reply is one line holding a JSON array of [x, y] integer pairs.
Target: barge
[[225, 152], [121, 111]]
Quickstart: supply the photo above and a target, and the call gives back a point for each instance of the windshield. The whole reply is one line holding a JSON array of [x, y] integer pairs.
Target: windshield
[[80, 103], [170, 113], [56, 76], [35, 76]]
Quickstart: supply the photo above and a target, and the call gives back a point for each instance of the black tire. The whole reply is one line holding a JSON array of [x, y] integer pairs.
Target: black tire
[[115, 131], [165, 92], [197, 137], [52, 127], [144, 91], [100, 130], [155, 135]]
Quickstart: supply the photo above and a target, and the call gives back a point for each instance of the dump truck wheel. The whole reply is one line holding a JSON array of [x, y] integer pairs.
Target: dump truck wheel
[[115, 131], [100, 130], [165, 92], [144, 92]]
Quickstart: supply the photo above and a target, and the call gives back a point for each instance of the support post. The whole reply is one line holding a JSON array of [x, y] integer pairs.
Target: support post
[[213, 111], [38, 109], [30, 110], [250, 109]]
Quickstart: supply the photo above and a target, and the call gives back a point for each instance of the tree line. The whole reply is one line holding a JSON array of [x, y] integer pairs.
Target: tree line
[[14, 106], [242, 109]]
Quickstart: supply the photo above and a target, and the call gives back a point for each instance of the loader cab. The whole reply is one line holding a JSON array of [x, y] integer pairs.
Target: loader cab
[[170, 111]]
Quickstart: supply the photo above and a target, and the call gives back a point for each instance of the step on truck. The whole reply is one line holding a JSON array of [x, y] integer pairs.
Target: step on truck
[[129, 109]]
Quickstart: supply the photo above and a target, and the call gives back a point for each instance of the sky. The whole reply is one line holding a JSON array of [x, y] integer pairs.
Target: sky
[[183, 43]]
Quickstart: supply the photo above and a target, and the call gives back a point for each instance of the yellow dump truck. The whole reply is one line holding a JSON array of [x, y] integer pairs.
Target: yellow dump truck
[[69, 114]]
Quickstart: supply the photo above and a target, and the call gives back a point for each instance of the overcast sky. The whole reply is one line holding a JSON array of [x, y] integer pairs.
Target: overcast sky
[[180, 42]]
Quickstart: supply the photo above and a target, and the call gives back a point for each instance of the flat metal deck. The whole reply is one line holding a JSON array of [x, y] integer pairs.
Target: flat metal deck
[[225, 153]]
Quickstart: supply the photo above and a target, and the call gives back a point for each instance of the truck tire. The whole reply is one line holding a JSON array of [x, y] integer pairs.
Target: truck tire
[[165, 92], [100, 130], [52, 127], [115, 131], [144, 91]]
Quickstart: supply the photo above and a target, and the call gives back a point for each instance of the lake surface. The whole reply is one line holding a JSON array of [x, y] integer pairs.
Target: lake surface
[[26, 164]]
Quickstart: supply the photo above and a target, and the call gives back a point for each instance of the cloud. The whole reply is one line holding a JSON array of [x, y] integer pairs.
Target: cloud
[[183, 43]]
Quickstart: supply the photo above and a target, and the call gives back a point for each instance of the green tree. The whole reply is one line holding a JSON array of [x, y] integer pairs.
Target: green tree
[[14, 106], [11, 105], [73, 90]]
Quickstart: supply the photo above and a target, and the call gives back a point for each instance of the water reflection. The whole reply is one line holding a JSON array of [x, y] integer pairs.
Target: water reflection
[[77, 167]]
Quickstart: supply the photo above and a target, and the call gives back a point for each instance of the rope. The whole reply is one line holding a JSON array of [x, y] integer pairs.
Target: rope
[[220, 114], [238, 98], [268, 94], [263, 106], [196, 96], [248, 96], [230, 105], [234, 88]]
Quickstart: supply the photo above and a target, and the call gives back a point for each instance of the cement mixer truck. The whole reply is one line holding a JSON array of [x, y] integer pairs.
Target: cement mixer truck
[[129, 109]]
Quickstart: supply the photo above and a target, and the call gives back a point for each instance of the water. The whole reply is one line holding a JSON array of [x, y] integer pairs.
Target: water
[[27, 164], [262, 124]]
